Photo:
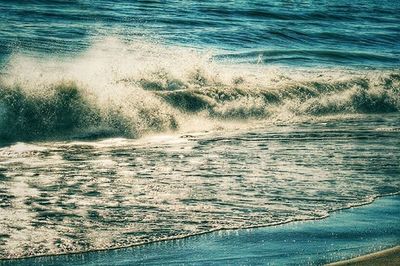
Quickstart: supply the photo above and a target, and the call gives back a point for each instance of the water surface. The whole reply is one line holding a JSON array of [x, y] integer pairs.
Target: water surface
[[125, 123]]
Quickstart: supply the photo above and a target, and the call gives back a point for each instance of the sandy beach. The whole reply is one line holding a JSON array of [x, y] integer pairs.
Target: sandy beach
[[386, 257]]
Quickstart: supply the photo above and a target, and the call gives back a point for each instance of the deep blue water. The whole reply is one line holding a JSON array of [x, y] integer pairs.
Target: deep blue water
[[358, 33]]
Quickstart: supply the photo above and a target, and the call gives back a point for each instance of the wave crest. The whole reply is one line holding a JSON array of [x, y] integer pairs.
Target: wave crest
[[65, 108], [131, 89], [377, 93]]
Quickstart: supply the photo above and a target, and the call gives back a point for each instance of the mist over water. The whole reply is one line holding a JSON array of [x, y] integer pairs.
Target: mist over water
[[125, 123]]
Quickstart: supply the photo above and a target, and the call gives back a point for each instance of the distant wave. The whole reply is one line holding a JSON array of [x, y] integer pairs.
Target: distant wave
[[312, 57], [132, 89]]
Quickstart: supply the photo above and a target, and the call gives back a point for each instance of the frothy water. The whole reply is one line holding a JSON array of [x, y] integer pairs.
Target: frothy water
[[62, 197], [130, 89]]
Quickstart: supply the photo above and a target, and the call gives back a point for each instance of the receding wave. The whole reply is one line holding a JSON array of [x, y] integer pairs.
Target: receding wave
[[131, 89]]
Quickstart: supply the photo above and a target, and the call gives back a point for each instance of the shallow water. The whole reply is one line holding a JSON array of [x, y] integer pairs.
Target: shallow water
[[74, 196], [125, 123], [345, 234]]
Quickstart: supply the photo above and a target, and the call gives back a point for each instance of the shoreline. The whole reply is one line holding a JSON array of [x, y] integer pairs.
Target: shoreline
[[388, 257], [344, 234], [367, 202]]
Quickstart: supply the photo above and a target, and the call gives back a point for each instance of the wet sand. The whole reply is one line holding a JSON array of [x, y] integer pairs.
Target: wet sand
[[386, 257]]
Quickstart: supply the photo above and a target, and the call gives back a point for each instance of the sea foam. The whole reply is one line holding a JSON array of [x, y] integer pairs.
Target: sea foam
[[130, 89]]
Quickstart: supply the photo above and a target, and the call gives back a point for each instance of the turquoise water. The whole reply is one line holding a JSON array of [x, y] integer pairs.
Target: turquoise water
[[352, 33], [343, 235], [126, 123]]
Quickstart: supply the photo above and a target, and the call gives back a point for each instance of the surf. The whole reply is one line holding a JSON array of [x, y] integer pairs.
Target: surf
[[130, 89]]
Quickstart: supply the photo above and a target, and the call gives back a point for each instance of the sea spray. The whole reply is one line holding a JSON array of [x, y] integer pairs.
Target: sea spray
[[131, 89]]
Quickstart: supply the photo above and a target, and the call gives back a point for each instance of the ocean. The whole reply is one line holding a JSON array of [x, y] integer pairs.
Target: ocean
[[129, 122]]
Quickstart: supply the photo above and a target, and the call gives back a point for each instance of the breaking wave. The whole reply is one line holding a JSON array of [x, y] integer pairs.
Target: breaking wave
[[68, 108], [130, 89]]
